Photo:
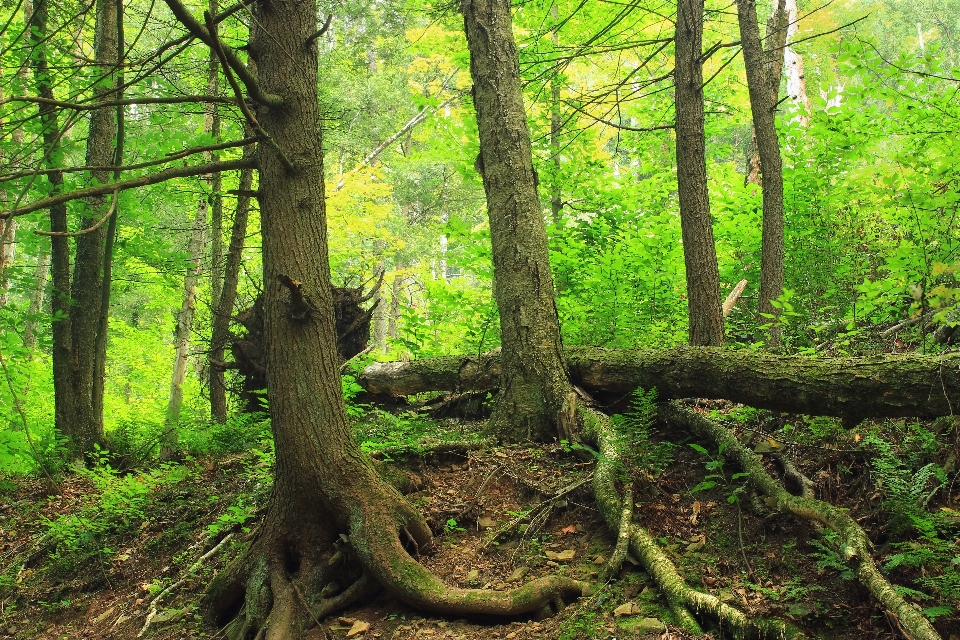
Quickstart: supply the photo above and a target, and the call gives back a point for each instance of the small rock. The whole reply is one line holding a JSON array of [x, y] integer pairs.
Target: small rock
[[599, 560], [358, 627], [518, 574], [343, 620], [649, 625], [473, 576], [551, 563], [563, 556], [626, 609], [511, 635], [486, 521]]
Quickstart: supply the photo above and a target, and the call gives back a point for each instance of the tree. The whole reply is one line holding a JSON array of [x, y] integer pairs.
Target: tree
[[324, 486], [534, 386], [763, 80], [699, 254]]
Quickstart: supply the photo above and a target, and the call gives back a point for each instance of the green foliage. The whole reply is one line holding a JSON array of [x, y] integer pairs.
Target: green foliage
[[115, 507], [828, 556], [634, 429], [716, 475]]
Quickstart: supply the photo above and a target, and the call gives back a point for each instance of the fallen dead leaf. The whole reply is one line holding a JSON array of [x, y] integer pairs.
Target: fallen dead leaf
[[358, 627]]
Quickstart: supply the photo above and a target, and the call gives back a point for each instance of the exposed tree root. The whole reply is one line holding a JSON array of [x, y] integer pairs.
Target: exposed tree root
[[427, 447], [681, 598], [855, 545], [293, 574], [623, 537]]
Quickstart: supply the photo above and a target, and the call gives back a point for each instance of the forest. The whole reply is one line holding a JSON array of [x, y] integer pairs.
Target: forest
[[542, 319]]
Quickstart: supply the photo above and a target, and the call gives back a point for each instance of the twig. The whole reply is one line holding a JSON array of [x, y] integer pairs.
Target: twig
[[73, 234], [170, 157], [187, 573], [131, 183]]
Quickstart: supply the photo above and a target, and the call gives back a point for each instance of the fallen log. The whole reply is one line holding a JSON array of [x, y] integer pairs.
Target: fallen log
[[852, 388]]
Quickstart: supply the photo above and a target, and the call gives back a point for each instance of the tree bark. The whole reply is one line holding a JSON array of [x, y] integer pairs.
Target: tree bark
[[223, 312], [325, 489], [181, 338], [87, 282], [534, 384], [63, 387], [855, 388], [36, 301], [699, 251], [763, 82]]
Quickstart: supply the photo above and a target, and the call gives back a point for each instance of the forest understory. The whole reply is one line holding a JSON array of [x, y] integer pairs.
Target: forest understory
[[92, 560]]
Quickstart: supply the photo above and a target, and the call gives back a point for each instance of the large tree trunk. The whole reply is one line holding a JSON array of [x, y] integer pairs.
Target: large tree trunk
[[763, 82], [323, 484], [699, 253], [533, 386], [853, 388]]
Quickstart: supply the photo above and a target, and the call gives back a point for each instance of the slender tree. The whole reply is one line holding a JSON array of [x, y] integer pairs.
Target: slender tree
[[699, 252], [763, 94], [533, 386]]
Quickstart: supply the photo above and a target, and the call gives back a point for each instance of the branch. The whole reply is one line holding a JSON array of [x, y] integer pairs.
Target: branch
[[417, 119], [82, 232], [211, 40], [323, 30], [170, 157], [624, 127], [78, 106], [132, 183], [218, 49]]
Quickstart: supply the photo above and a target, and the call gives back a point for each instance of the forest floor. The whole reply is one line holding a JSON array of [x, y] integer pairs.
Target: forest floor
[[86, 562]]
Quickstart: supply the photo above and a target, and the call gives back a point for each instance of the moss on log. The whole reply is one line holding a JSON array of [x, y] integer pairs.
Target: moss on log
[[854, 388]]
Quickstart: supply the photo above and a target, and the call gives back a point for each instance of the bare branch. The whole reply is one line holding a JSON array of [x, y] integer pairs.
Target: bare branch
[[323, 30], [132, 183], [78, 106], [82, 232], [170, 157], [210, 39], [218, 49]]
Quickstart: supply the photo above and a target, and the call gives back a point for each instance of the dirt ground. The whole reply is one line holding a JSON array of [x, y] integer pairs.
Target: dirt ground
[[503, 516]]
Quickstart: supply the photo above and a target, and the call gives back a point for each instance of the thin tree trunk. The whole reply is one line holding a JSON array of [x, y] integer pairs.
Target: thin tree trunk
[[381, 315], [556, 196], [533, 386], [103, 322], [36, 300], [793, 67], [65, 420], [195, 246], [216, 180], [763, 82], [87, 284], [773, 60], [228, 296], [8, 253], [699, 252], [395, 293]]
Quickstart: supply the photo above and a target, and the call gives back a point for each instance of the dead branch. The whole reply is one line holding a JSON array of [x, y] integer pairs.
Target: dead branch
[[132, 183]]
